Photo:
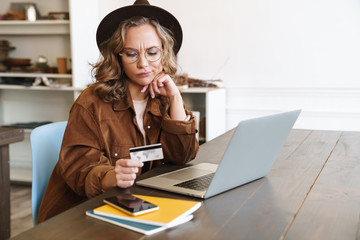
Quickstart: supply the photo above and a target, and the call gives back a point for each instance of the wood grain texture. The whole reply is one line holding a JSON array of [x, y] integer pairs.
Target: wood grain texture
[[270, 210], [316, 173], [332, 208], [5, 192], [7, 136], [21, 216], [11, 135]]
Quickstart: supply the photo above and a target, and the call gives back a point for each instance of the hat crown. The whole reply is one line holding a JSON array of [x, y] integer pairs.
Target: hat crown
[[111, 22], [141, 2]]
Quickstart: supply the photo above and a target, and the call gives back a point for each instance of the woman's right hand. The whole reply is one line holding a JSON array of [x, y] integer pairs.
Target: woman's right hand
[[125, 172]]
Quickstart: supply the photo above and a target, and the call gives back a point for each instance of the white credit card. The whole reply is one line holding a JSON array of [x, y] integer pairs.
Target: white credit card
[[147, 153]]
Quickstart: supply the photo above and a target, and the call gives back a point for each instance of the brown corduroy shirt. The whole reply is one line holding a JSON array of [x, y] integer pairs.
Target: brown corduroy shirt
[[98, 134]]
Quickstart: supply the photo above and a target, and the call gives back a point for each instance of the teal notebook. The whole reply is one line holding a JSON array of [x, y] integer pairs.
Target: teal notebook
[[143, 228]]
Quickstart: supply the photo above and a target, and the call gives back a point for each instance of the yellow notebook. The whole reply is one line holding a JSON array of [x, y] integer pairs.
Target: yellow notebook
[[170, 211]]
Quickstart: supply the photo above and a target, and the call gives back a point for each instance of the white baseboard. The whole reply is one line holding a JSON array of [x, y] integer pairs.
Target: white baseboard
[[21, 175]]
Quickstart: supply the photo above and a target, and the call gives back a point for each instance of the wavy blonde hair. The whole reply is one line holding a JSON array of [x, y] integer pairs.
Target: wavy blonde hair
[[111, 83]]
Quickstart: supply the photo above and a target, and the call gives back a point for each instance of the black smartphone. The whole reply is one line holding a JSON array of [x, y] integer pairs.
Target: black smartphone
[[130, 204]]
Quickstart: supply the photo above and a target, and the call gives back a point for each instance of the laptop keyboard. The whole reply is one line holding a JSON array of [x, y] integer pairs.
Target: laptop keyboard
[[200, 183]]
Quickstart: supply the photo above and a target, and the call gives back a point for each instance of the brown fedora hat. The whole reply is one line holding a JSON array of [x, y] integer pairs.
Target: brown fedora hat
[[110, 22]]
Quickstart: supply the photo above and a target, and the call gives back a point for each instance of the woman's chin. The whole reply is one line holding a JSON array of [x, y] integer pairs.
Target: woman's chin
[[141, 81], [144, 81]]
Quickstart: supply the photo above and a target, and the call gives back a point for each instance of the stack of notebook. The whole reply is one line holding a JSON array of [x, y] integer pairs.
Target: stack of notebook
[[172, 212]]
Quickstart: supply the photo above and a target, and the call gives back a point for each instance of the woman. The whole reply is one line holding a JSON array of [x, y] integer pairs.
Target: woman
[[134, 102]]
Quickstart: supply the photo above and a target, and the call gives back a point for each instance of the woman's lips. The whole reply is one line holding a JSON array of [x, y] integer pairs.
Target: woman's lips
[[143, 74]]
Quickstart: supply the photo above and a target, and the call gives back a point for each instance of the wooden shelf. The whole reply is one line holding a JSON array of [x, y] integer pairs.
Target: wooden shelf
[[34, 75], [40, 27], [41, 88]]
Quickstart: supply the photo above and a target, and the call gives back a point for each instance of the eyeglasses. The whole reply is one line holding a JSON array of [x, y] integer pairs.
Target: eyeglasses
[[132, 55]]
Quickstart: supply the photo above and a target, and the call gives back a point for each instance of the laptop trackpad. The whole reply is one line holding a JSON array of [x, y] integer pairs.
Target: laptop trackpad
[[187, 173]]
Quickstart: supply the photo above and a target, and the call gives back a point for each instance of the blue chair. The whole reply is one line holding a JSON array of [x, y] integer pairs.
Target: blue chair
[[45, 148]]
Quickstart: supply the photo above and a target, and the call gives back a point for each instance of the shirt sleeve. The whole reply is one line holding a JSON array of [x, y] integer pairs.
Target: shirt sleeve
[[179, 139], [82, 162]]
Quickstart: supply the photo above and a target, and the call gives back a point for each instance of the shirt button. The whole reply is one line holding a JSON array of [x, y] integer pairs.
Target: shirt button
[[115, 154], [148, 127]]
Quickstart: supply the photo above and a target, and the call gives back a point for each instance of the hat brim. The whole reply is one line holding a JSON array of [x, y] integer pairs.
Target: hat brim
[[110, 22]]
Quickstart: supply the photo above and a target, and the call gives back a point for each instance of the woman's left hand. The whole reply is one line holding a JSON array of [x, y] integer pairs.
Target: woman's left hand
[[165, 86], [162, 85]]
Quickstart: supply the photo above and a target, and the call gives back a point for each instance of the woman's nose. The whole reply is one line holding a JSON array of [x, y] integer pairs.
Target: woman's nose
[[142, 61]]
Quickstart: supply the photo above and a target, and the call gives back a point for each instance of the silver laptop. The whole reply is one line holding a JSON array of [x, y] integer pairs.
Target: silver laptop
[[249, 155]]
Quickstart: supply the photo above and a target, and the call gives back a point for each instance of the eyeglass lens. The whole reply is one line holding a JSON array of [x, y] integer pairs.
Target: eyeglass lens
[[132, 55]]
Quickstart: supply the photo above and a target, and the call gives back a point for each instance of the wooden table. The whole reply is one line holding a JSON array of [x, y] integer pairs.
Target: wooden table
[[312, 192], [7, 136]]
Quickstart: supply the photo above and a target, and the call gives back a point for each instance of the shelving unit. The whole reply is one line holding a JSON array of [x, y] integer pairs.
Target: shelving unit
[[39, 27], [36, 75], [210, 103], [73, 39]]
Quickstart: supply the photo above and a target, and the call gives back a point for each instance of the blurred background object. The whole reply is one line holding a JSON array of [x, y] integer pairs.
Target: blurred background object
[[185, 80], [4, 53], [23, 11]]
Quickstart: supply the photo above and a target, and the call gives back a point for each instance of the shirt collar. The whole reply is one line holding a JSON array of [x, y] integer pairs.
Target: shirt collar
[[153, 105]]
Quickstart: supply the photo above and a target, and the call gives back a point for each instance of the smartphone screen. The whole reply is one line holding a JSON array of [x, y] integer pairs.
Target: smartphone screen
[[130, 204]]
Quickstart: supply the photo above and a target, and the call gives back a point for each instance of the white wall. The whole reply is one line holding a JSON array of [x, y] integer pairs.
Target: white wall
[[274, 55], [83, 41]]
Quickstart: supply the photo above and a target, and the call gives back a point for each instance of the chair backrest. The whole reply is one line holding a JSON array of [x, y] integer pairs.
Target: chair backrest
[[45, 148]]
